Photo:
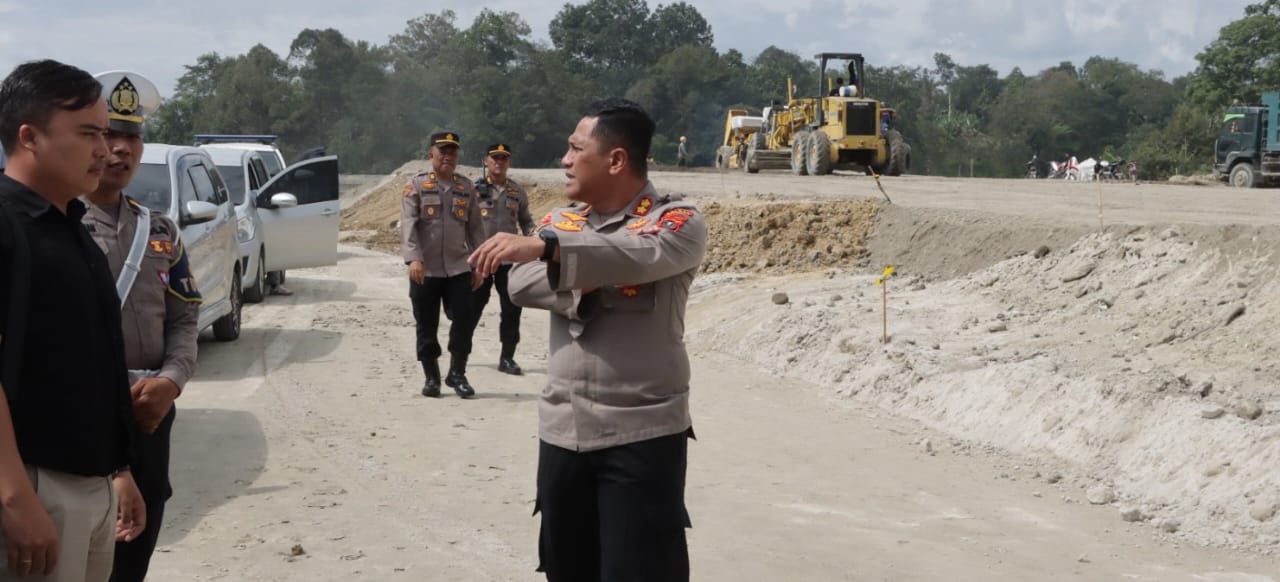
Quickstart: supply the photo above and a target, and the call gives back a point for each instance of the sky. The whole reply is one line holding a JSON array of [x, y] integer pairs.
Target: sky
[[158, 37]]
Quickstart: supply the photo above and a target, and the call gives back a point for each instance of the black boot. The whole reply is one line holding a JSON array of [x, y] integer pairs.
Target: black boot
[[507, 363], [431, 388], [457, 377]]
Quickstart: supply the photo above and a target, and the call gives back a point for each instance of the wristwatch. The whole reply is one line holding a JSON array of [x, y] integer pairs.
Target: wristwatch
[[551, 242]]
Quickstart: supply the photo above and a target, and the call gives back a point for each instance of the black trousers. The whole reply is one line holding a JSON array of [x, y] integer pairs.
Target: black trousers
[[614, 515], [151, 471], [454, 293], [509, 324]]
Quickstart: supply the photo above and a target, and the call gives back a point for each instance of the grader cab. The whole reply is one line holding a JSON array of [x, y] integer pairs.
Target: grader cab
[[839, 128]]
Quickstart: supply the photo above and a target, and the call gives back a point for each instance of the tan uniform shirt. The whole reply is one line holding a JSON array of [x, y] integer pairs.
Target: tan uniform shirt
[[162, 310], [440, 224], [618, 371], [505, 208]]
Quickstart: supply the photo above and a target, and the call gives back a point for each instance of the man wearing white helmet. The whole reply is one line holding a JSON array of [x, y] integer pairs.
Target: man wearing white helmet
[[682, 154], [159, 305]]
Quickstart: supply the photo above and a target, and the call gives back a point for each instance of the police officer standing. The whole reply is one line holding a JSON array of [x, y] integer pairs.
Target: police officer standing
[[160, 304], [504, 207], [439, 228], [614, 271]]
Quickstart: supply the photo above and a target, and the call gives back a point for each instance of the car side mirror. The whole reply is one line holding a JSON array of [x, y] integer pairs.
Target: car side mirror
[[284, 200], [199, 211]]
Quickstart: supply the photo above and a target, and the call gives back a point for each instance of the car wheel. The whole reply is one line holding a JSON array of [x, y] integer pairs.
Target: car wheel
[[257, 290], [227, 328]]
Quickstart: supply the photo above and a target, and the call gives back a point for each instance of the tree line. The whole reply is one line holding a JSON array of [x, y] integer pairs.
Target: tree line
[[374, 105]]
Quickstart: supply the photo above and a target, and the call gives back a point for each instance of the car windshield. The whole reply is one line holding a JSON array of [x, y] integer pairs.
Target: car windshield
[[151, 187], [234, 177], [272, 163]]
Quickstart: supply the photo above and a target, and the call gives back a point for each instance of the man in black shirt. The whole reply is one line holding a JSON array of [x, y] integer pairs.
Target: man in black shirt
[[65, 421]]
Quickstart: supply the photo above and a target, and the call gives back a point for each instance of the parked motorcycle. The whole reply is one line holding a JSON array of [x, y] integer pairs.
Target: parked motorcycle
[[1061, 170], [1109, 170]]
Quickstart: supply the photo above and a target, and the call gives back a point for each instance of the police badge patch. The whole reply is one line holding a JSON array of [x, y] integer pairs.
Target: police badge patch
[[180, 281]]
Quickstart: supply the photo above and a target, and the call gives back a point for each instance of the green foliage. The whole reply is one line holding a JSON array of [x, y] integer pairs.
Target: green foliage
[[1243, 62], [491, 81]]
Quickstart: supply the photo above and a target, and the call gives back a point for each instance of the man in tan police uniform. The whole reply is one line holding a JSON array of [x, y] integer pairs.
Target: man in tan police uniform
[[504, 206], [440, 226], [614, 271], [160, 304]]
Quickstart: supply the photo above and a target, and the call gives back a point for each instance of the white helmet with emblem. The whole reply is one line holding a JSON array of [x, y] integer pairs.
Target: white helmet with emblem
[[130, 98]]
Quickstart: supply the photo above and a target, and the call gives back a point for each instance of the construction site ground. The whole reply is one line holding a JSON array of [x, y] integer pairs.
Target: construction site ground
[[1057, 400]]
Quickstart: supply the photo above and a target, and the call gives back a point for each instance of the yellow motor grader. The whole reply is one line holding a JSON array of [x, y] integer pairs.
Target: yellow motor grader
[[738, 129], [840, 129]]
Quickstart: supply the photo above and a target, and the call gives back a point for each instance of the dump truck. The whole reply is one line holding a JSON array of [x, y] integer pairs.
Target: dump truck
[[840, 128], [1247, 151]]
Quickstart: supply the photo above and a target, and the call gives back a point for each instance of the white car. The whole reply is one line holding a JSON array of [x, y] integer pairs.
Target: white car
[[263, 144], [276, 237], [184, 184]]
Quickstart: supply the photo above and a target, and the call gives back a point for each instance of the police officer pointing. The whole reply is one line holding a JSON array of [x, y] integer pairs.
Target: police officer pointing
[[504, 206], [614, 270], [160, 304], [439, 228]]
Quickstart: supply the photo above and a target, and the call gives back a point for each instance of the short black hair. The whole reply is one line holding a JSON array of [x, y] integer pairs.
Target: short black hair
[[625, 124], [34, 90]]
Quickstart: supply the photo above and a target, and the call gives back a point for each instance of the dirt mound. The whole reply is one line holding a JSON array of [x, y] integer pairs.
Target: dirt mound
[[374, 220], [378, 208], [948, 243], [771, 237], [1136, 361], [786, 237]]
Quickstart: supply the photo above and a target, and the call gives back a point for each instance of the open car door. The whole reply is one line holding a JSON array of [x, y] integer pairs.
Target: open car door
[[300, 214]]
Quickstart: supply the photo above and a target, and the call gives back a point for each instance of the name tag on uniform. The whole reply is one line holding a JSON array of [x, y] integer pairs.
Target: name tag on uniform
[[432, 199]]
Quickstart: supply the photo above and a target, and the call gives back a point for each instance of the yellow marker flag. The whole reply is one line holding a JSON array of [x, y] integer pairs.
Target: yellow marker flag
[[888, 272]]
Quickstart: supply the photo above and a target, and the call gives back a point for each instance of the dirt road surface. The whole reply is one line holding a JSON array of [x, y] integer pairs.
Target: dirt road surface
[[304, 452], [1053, 201]]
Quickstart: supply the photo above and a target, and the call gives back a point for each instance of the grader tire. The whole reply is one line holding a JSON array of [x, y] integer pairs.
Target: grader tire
[[799, 153], [818, 161], [751, 164], [722, 157], [899, 153]]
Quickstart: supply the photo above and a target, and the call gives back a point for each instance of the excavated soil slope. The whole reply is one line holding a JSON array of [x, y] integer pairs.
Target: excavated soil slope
[[1136, 366]]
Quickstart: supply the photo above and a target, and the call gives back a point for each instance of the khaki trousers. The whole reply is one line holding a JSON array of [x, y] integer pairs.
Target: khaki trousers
[[83, 510]]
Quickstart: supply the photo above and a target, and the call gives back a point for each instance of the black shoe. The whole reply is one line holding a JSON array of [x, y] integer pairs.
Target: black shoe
[[507, 363], [431, 388], [509, 366], [457, 378], [458, 381]]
